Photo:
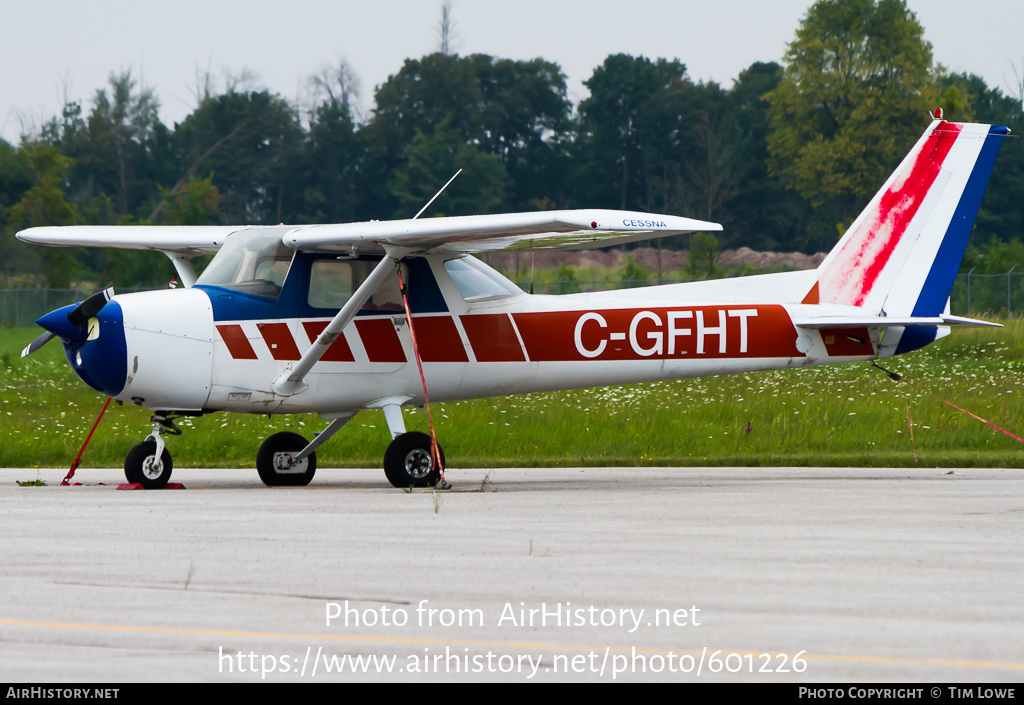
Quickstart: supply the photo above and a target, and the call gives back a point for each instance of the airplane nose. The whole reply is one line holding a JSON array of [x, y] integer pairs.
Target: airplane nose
[[95, 348]]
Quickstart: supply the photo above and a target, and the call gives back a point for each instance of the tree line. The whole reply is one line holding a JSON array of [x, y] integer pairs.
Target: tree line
[[784, 158]]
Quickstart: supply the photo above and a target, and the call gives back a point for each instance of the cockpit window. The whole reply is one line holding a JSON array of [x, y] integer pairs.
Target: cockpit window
[[478, 282], [251, 261]]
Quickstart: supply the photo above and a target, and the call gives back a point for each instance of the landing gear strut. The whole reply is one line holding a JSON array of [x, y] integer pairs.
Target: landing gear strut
[[148, 463]]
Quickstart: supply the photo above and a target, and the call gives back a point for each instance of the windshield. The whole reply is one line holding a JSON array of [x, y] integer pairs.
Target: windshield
[[478, 282], [252, 261]]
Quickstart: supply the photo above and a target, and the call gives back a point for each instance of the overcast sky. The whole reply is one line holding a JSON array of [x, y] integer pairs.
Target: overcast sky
[[60, 47]]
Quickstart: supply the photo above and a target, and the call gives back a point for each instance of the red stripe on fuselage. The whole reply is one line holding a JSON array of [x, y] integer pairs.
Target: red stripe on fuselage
[[493, 338], [279, 340], [380, 340], [439, 339], [339, 350], [238, 344], [693, 332]]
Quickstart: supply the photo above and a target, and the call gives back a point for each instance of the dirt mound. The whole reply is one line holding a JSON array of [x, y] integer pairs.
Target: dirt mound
[[648, 256], [767, 261]]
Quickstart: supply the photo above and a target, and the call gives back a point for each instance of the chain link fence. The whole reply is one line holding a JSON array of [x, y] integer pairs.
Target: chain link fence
[[984, 293], [973, 294], [21, 307]]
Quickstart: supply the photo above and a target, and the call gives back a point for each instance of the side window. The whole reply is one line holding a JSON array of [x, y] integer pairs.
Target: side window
[[330, 283], [272, 270], [388, 297]]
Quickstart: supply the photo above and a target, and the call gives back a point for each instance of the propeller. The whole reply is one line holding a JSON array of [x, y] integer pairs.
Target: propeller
[[71, 328], [38, 343], [90, 307]]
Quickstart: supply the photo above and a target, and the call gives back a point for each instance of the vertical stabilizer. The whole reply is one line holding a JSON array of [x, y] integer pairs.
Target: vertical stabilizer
[[902, 253]]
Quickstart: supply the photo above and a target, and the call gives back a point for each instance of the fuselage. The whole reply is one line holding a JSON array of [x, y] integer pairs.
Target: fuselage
[[214, 347]]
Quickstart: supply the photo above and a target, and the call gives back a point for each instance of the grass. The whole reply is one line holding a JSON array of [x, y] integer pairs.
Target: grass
[[847, 415]]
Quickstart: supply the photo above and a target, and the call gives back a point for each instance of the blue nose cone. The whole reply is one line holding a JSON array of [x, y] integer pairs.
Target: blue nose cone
[[96, 349], [57, 323]]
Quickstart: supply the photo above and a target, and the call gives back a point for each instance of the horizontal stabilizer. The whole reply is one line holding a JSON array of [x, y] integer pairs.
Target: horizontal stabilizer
[[888, 321], [968, 322]]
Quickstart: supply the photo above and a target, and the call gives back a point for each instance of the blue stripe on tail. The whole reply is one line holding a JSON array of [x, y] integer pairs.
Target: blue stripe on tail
[[938, 285]]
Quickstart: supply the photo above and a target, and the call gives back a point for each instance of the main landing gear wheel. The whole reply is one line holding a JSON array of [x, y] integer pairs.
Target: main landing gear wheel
[[274, 461], [142, 466], [409, 463]]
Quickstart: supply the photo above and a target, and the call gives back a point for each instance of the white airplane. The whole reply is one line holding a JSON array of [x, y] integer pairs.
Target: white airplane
[[298, 319]]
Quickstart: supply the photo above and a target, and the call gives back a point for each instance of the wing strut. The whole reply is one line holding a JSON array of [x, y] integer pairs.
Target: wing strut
[[182, 265], [291, 382]]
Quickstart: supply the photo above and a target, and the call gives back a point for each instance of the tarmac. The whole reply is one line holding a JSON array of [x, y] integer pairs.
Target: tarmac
[[778, 575]]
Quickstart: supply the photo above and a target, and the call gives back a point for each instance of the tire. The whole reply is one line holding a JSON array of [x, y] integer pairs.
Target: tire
[[408, 461], [273, 448], [140, 466]]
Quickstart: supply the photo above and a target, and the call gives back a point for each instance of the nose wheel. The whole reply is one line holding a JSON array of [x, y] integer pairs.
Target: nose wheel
[[148, 463], [145, 466]]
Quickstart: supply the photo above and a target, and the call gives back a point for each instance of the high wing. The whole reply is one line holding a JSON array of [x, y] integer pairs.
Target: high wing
[[569, 230], [574, 230], [189, 240]]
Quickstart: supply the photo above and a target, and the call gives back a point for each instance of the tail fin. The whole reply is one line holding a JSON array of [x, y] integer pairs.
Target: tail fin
[[902, 253]]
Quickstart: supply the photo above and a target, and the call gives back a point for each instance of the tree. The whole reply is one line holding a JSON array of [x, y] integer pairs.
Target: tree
[[1001, 217], [328, 187], [634, 274], [251, 142], [525, 116], [632, 130], [118, 149], [45, 204], [709, 166], [15, 179], [514, 110], [759, 211], [857, 86], [703, 257], [195, 203], [120, 125], [431, 161], [15, 176]]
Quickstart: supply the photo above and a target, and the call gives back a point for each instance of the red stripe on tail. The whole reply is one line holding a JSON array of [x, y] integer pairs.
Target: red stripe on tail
[[851, 276]]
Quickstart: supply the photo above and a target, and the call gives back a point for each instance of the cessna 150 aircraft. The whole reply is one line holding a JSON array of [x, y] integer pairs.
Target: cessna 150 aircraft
[[330, 318]]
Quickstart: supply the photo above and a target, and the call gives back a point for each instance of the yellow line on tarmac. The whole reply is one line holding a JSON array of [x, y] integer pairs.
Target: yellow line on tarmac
[[419, 641]]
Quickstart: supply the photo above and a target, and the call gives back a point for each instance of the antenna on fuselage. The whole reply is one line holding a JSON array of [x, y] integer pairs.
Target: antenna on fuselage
[[436, 195]]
